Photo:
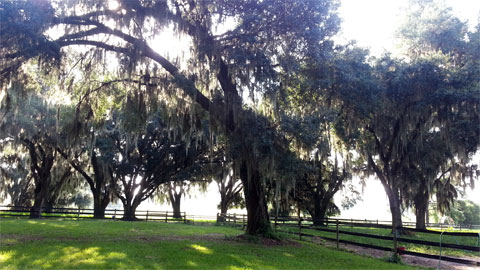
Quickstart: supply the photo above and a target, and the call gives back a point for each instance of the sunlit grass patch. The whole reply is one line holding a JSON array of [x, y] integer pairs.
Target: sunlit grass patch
[[201, 249], [56, 244]]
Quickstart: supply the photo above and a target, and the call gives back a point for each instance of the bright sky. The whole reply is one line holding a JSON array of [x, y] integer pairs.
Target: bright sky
[[373, 22]]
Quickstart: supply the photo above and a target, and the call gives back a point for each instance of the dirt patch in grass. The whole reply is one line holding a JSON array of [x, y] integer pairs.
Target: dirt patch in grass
[[269, 242], [155, 238], [9, 239], [407, 259], [12, 239]]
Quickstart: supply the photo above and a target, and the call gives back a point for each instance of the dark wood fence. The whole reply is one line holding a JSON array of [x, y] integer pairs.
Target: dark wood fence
[[301, 223], [147, 215]]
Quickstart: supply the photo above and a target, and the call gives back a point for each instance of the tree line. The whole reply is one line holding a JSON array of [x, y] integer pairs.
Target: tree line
[[272, 108]]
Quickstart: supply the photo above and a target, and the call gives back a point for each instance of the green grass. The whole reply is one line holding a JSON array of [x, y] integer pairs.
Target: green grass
[[106, 244], [459, 240]]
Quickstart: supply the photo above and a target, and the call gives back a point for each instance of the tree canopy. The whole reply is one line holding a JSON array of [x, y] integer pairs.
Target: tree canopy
[[262, 92]]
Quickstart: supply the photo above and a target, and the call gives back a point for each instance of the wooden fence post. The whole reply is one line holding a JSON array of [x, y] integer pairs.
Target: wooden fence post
[[184, 217], [115, 213], [300, 228], [337, 236], [166, 217], [351, 222], [276, 222], [234, 219], [79, 211], [146, 219]]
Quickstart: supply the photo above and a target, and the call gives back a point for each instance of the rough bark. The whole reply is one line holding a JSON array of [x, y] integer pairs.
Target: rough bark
[[41, 163], [99, 205], [421, 208], [176, 209], [40, 195], [255, 201], [320, 211], [100, 190], [223, 207], [392, 194], [129, 212], [395, 208]]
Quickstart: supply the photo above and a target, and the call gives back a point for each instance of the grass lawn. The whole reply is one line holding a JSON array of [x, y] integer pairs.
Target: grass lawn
[[102, 244], [459, 240]]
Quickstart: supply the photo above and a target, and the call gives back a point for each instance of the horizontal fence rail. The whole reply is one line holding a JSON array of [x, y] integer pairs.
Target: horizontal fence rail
[[400, 251], [55, 212], [307, 223], [399, 239]]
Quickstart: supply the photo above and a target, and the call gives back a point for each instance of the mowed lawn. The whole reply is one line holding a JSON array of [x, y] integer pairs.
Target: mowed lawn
[[459, 240], [102, 244]]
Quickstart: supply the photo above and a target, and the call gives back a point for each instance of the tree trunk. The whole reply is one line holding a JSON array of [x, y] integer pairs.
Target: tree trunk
[[176, 209], [394, 202], [223, 209], [129, 212], [421, 208], [420, 217], [396, 213], [40, 166], [320, 212], [427, 215], [98, 206], [41, 189], [255, 201]]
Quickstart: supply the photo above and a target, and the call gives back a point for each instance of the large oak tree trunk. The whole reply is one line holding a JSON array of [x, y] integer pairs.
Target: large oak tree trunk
[[129, 212], [99, 205], [176, 208], [421, 208], [396, 211], [223, 209], [395, 207], [255, 200], [41, 191], [320, 211], [41, 163]]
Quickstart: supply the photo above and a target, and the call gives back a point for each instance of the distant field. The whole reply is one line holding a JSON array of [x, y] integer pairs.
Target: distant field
[[106, 244]]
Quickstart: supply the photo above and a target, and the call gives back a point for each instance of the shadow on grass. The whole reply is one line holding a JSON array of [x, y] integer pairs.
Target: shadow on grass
[[124, 255], [42, 244], [51, 254]]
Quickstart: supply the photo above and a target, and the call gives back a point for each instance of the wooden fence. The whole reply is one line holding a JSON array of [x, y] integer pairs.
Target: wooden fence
[[145, 215], [300, 223]]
